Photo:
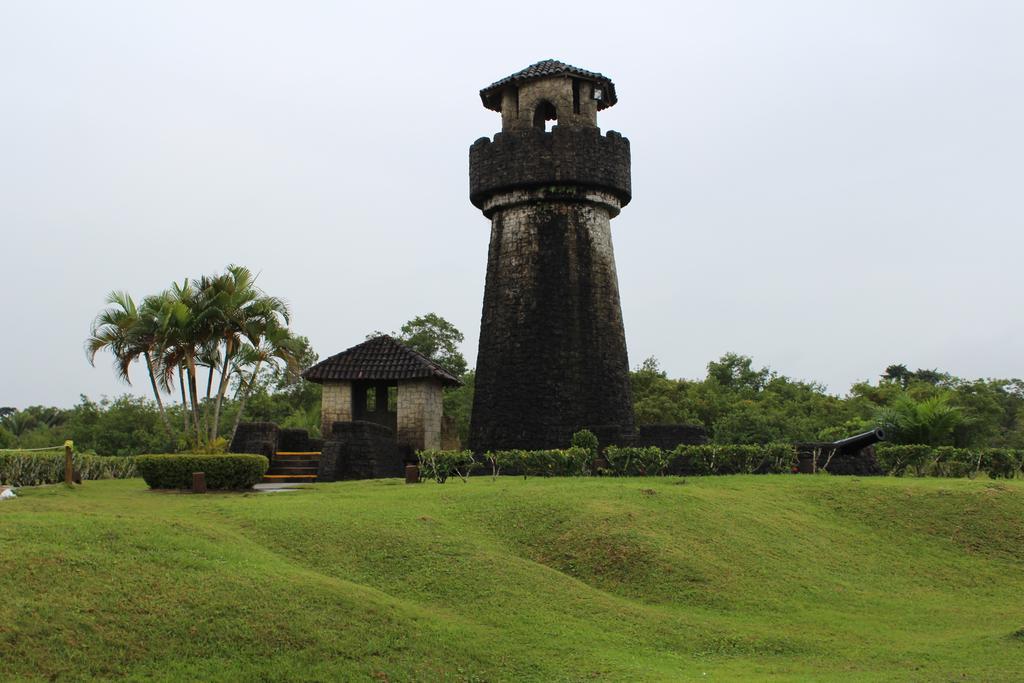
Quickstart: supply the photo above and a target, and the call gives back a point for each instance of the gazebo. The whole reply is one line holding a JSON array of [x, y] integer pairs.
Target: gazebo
[[387, 383]]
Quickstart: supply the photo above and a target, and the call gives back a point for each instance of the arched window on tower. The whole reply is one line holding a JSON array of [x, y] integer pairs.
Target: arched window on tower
[[542, 113]]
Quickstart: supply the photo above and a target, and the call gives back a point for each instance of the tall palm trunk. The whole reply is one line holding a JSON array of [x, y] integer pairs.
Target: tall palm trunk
[[245, 397], [225, 374], [184, 400], [193, 391], [156, 393], [206, 403]]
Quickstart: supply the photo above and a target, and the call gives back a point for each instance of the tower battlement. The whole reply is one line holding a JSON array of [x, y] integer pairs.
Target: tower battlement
[[532, 158]]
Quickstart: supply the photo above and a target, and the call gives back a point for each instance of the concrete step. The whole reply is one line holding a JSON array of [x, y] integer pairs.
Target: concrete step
[[292, 470], [289, 478], [293, 462]]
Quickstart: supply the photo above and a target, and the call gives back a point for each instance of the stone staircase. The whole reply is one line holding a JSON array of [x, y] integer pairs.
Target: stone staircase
[[293, 467]]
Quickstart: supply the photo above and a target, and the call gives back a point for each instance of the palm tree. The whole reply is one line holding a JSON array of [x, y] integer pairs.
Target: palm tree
[[18, 422], [145, 338], [185, 327], [932, 421], [209, 357], [270, 344], [237, 306], [161, 307], [125, 331]]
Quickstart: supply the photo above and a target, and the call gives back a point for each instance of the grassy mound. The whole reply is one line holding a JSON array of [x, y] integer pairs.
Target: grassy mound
[[546, 579]]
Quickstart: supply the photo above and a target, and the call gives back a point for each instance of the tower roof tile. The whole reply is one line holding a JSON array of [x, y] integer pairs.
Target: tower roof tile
[[491, 95], [379, 358]]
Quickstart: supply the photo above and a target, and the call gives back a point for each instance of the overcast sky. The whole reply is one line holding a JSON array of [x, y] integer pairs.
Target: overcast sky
[[829, 187]]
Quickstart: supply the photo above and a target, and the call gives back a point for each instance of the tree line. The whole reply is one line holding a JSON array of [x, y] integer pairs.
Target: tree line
[[741, 404], [226, 333]]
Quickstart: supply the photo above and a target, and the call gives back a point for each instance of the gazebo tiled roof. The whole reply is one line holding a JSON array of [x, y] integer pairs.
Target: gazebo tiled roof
[[380, 358], [491, 95]]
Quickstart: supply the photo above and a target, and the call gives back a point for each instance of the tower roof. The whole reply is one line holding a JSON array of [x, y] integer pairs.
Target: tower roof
[[491, 95], [379, 358]]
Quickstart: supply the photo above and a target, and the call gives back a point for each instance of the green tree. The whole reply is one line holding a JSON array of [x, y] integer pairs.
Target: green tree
[[932, 421], [237, 309], [127, 333], [658, 399], [734, 371], [267, 343], [437, 339]]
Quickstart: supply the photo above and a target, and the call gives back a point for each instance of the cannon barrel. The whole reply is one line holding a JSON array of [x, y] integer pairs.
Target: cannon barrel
[[858, 441]]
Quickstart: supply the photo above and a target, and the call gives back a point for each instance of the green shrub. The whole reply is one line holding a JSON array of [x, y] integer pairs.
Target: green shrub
[[777, 458], [626, 461], [215, 447], [227, 471], [503, 460], [585, 439], [1000, 463], [711, 459], [897, 459], [543, 463], [946, 461], [580, 461], [569, 462], [20, 468], [439, 465]]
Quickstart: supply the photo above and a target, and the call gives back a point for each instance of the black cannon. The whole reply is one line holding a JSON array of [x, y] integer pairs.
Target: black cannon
[[852, 444], [852, 455]]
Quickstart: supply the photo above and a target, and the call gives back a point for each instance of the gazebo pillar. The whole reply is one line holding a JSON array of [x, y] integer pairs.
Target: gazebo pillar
[[420, 407], [336, 405]]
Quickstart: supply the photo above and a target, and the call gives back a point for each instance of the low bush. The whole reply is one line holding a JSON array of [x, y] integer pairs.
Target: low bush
[[503, 460], [21, 468], [227, 471], [1004, 463], [569, 462], [715, 459], [541, 463], [945, 461], [897, 460], [710, 459], [627, 461], [439, 465], [586, 440]]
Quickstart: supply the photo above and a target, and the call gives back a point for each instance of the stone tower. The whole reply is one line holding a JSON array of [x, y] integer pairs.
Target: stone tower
[[552, 357]]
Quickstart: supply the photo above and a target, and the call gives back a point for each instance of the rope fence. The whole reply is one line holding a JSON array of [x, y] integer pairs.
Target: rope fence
[[68, 447]]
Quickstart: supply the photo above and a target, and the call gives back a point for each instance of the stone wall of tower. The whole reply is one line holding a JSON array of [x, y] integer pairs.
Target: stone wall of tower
[[552, 356], [335, 405], [577, 109]]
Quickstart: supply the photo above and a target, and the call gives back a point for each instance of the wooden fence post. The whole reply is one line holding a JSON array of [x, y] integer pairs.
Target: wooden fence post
[[68, 473]]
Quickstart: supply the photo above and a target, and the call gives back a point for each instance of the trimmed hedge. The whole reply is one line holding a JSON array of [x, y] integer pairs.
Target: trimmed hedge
[[624, 461], [715, 459], [710, 459], [568, 462], [628, 461], [439, 465], [945, 461], [33, 469], [223, 471]]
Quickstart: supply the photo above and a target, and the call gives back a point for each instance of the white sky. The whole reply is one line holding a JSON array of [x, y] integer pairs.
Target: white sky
[[829, 187]]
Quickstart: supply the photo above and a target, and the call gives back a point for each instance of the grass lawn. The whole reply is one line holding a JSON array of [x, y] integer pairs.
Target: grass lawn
[[717, 578]]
